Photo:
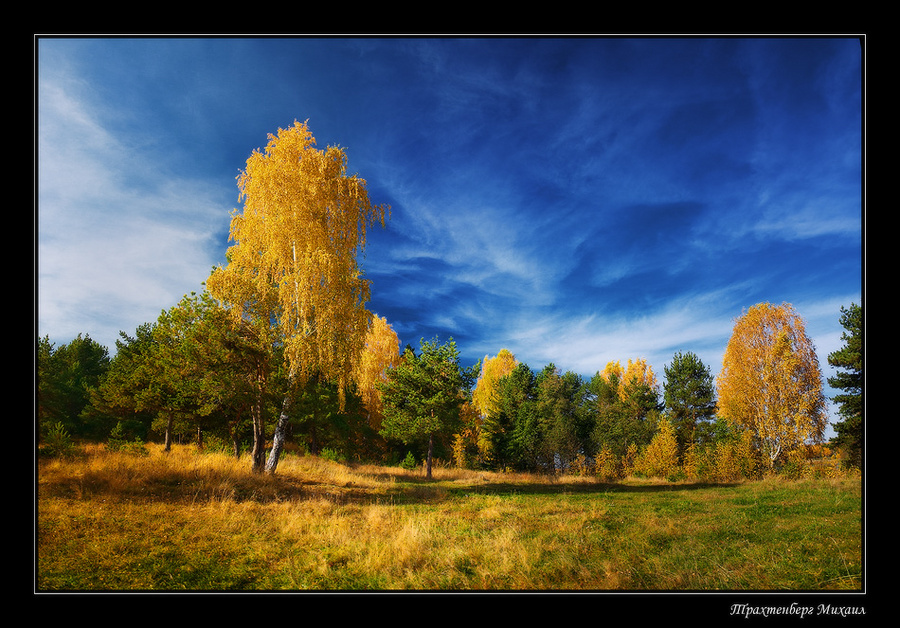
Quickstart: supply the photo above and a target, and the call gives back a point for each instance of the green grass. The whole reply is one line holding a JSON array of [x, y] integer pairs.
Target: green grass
[[187, 521]]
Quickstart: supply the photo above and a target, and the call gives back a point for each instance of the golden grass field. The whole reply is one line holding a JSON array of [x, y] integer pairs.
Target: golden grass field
[[195, 521]]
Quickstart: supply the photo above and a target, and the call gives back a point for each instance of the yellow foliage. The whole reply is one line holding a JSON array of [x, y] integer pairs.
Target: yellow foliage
[[770, 381], [612, 369], [381, 352], [692, 464], [606, 465], [484, 397], [466, 440], [294, 258], [637, 372], [629, 460], [735, 460], [582, 465], [660, 457]]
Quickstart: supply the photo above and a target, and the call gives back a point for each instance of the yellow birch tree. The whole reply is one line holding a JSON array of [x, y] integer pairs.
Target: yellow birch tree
[[486, 401], [380, 353], [293, 267], [484, 397], [770, 381]]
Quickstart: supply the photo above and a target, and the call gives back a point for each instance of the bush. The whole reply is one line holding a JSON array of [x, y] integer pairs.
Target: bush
[[57, 442], [795, 467], [332, 455], [409, 463], [118, 441], [660, 458], [606, 465]]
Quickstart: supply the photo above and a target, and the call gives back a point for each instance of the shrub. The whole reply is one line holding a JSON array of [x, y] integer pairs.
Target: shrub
[[629, 459], [118, 441], [695, 465], [606, 464], [582, 465], [57, 442], [332, 455], [408, 463], [660, 457]]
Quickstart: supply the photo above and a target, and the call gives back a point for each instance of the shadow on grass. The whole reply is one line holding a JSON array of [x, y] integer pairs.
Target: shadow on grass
[[557, 487], [361, 486], [411, 487]]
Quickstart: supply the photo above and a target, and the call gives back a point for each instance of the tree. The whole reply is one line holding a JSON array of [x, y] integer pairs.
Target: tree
[[559, 400], [326, 422], [639, 390], [689, 395], [423, 395], [213, 363], [65, 376], [522, 443], [625, 406], [770, 381], [50, 395], [380, 353], [121, 395], [850, 358], [293, 269], [660, 457], [484, 397], [486, 400]]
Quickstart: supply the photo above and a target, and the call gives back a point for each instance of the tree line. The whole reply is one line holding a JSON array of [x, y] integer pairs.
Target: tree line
[[192, 377], [278, 350]]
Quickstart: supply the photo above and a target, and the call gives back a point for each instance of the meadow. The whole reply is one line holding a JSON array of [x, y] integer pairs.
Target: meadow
[[197, 521]]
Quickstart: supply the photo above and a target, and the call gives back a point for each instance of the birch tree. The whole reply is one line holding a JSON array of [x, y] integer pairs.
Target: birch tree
[[486, 400], [293, 269], [380, 353], [770, 381]]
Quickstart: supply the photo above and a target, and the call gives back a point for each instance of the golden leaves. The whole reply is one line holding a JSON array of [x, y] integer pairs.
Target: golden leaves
[[770, 381], [637, 373], [380, 353], [294, 261], [492, 370]]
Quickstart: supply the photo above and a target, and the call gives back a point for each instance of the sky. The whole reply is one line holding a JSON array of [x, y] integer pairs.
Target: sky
[[575, 200]]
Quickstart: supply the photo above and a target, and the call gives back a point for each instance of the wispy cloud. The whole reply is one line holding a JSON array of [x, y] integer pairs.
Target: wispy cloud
[[113, 251], [573, 200]]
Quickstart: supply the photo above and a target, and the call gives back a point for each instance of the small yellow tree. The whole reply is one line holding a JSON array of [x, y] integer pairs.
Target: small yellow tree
[[770, 381], [485, 400], [381, 352], [484, 397], [607, 465], [660, 457], [465, 441]]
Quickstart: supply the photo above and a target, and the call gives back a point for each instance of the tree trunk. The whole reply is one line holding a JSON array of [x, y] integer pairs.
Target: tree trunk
[[430, 454], [169, 433], [279, 437], [257, 456]]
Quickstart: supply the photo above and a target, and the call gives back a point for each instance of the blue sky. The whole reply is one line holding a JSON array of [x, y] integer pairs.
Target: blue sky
[[574, 200]]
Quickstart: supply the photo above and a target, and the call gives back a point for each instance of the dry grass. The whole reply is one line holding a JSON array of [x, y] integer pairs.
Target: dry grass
[[186, 520]]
